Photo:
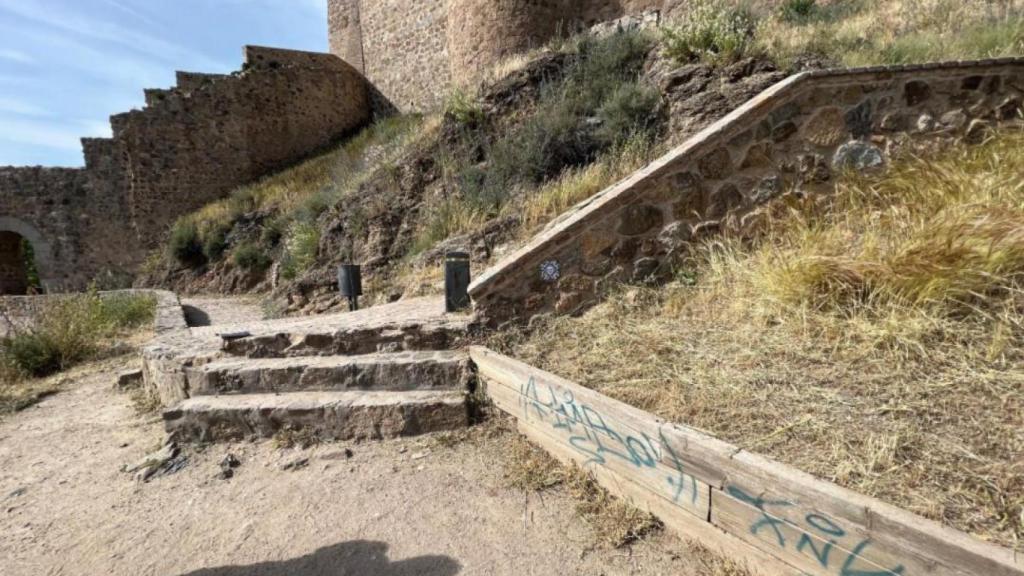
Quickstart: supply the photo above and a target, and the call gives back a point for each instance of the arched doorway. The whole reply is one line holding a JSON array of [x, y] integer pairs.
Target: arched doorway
[[24, 258], [18, 272]]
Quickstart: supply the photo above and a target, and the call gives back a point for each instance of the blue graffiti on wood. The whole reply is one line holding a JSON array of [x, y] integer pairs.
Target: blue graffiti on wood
[[818, 536], [590, 434]]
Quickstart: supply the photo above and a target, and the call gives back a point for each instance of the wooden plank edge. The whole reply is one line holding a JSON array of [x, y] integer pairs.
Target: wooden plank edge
[[958, 552], [683, 523]]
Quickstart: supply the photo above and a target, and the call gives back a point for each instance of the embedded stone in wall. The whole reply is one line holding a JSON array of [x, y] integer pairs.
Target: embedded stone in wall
[[859, 120], [858, 155], [715, 165], [722, 200], [826, 128], [638, 219], [916, 91]]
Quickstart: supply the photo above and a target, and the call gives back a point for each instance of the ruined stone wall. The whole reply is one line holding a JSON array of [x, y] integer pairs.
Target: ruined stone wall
[[195, 144], [415, 53], [47, 207], [795, 137], [189, 146]]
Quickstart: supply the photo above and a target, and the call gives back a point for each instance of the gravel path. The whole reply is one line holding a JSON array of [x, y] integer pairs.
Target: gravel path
[[402, 507]]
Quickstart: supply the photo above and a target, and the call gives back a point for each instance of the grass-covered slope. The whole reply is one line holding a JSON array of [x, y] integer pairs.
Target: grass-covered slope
[[553, 129], [872, 337]]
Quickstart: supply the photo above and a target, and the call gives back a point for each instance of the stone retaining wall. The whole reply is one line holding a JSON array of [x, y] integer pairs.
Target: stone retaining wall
[[21, 312], [795, 137]]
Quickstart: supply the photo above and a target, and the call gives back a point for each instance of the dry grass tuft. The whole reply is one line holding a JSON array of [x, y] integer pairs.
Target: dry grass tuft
[[145, 401], [614, 522], [295, 437], [713, 564], [871, 32], [872, 337]]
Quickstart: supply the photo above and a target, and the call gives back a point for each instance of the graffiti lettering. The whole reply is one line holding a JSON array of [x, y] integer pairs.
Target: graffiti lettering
[[599, 440], [808, 542]]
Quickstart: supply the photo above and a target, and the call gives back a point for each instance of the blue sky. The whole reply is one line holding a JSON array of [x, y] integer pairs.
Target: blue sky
[[67, 65]]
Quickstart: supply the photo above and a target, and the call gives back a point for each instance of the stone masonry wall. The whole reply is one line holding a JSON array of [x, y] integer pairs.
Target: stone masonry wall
[[415, 53], [48, 207], [189, 146], [795, 137]]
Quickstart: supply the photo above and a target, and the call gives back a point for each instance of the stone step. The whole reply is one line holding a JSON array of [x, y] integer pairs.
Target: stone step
[[348, 415], [428, 370]]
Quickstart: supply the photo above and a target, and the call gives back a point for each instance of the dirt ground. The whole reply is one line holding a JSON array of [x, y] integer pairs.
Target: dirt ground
[[414, 506]]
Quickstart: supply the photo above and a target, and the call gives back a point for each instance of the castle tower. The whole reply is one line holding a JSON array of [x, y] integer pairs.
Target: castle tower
[[481, 33]]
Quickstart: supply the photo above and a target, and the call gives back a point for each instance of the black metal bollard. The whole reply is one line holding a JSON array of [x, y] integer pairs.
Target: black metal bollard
[[350, 284], [456, 281]]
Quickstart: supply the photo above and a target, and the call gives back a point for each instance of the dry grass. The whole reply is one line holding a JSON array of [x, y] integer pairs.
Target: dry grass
[[577, 185], [868, 32], [614, 522], [872, 337], [713, 564], [17, 394], [295, 437]]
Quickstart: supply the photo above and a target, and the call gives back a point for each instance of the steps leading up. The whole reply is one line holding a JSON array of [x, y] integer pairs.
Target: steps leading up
[[347, 415], [425, 370]]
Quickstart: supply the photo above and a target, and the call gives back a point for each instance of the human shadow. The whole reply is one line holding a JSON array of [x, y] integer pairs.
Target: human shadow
[[195, 317], [353, 558]]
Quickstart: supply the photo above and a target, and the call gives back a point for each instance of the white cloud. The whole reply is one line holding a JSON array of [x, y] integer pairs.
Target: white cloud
[[21, 107], [46, 134], [51, 15], [15, 56]]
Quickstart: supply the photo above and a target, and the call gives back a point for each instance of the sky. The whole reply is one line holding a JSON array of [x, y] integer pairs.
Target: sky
[[67, 65]]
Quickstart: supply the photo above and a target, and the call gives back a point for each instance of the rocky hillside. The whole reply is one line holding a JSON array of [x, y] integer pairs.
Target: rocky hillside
[[551, 130], [548, 130]]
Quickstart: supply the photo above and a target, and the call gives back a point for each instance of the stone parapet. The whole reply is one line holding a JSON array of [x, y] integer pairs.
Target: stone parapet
[[797, 136]]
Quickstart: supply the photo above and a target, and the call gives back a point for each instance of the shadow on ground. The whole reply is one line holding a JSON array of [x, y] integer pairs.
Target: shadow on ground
[[195, 317], [355, 558]]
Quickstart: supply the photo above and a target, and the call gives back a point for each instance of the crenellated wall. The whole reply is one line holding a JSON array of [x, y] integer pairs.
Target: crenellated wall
[[415, 53], [190, 145], [796, 136]]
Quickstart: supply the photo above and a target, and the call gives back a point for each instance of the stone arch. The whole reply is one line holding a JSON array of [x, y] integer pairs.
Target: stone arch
[[44, 257]]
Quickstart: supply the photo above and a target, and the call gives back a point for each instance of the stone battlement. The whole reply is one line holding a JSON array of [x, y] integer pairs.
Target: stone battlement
[[190, 145]]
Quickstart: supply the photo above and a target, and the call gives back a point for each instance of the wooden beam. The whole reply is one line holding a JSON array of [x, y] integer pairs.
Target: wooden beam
[[764, 507]]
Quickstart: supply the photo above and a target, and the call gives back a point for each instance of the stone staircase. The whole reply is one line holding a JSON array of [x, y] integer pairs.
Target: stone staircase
[[395, 370]]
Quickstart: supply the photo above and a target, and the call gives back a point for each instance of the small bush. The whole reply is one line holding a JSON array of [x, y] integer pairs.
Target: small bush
[[631, 111], [72, 329], [251, 257], [463, 108], [301, 247], [215, 242], [798, 10], [713, 32], [185, 244]]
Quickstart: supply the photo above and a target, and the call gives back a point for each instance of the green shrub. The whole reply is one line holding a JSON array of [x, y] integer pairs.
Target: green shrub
[[215, 241], [463, 108], [713, 32], [72, 329], [301, 247], [251, 257], [28, 257], [798, 10], [631, 111], [185, 244], [556, 136]]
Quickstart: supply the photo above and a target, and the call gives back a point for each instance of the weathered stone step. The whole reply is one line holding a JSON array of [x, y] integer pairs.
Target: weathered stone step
[[349, 415], [429, 370]]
